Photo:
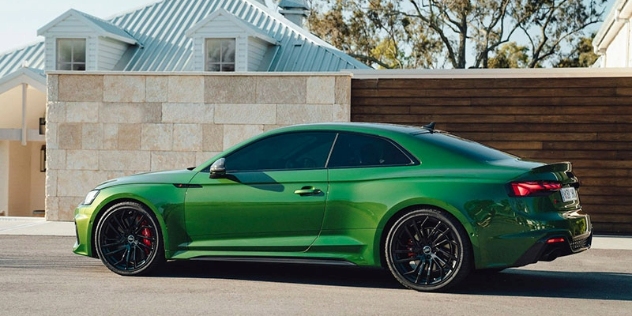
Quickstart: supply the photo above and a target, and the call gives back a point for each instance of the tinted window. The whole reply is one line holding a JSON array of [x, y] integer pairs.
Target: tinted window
[[354, 150], [290, 151], [465, 147]]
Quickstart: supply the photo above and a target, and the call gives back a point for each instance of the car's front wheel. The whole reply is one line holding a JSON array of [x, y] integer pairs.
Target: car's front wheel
[[128, 239], [428, 250]]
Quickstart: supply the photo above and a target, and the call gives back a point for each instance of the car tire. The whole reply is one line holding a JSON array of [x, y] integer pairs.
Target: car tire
[[428, 250], [128, 240]]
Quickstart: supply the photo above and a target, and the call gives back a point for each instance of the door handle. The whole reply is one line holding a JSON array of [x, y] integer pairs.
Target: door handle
[[308, 190]]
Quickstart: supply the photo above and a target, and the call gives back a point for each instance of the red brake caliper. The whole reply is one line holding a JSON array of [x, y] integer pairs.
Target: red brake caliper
[[147, 234], [410, 248]]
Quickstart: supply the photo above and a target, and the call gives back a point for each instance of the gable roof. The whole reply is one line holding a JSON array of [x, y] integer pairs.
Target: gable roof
[[12, 61], [100, 27], [161, 28], [239, 23]]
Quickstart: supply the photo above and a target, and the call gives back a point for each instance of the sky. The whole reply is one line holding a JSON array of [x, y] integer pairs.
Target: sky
[[20, 19]]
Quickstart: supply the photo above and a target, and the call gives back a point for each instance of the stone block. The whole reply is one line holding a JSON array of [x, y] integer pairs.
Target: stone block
[[289, 114], [52, 87], [69, 136], [55, 159], [127, 88], [124, 160], [82, 160], [169, 160], [52, 129], [80, 88], [52, 208], [66, 207], [78, 183], [130, 112], [274, 90], [188, 113], [343, 90], [233, 134], [51, 182], [55, 112], [320, 90], [110, 136], [186, 89], [202, 156], [91, 136], [128, 137], [157, 137], [212, 137], [156, 88], [272, 127], [229, 89], [341, 112], [245, 114], [187, 137], [82, 112]]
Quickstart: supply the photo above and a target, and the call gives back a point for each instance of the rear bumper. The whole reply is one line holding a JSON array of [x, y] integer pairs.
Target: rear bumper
[[553, 246]]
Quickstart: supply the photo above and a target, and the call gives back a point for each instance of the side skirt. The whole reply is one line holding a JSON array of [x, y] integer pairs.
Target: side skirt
[[278, 260]]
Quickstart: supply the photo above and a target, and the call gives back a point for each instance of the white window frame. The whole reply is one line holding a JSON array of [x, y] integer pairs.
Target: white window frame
[[73, 62], [222, 63]]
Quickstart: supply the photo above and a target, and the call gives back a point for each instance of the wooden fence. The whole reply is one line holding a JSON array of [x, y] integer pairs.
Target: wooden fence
[[583, 119]]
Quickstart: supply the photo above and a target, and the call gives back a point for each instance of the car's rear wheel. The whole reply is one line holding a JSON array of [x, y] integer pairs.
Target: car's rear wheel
[[128, 239], [428, 250]]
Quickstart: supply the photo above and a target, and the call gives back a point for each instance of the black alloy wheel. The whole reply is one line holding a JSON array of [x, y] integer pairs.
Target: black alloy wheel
[[428, 250], [128, 240]]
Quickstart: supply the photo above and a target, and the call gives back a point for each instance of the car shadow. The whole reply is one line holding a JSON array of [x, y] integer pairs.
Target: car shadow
[[283, 272], [510, 282], [557, 284]]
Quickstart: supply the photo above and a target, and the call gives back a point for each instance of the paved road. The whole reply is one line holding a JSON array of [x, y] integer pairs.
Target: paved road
[[40, 276]]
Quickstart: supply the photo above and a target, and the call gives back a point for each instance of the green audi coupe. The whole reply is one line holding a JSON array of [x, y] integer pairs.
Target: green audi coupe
[[429, 206]]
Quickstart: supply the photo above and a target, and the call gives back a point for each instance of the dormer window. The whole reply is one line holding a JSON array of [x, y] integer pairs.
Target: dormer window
[[220, 54], [71, 54]]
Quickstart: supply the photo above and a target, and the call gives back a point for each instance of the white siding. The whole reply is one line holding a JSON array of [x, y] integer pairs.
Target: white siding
[[109, 53], [221, 27], [70, 27], [50, 48], [616, 53], [256, 50]]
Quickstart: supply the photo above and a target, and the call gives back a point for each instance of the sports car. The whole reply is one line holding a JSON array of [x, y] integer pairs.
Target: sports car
[[427, 205]]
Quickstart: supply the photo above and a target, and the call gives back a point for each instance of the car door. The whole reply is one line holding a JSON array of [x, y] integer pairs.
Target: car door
[[272, 197]]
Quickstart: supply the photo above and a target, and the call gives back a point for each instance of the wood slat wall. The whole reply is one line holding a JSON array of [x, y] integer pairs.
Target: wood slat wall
[[587, 121]]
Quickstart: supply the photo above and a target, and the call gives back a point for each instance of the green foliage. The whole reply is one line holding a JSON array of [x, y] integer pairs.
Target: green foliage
[[582, 54], [509, 55], [453, 33]]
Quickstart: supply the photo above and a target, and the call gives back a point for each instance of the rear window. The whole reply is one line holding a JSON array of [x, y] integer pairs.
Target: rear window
[[464, 147]]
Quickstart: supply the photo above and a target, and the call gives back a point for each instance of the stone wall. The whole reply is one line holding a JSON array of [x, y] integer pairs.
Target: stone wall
[[107, 125]]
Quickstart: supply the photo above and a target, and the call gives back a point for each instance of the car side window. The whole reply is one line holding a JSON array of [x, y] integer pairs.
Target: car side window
[[290, 151], [359, 150]]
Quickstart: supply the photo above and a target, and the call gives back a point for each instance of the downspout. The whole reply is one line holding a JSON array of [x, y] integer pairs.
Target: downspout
[[24, 130]]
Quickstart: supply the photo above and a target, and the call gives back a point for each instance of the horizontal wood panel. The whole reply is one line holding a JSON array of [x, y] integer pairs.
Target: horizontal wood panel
[[620, 102], [486, 83], [587, 121]]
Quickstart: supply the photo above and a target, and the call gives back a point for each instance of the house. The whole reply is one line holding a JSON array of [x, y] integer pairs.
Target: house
[[612, 42], [165, 37]]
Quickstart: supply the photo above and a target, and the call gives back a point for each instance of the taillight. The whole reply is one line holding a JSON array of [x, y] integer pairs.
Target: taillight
[[534, 188]]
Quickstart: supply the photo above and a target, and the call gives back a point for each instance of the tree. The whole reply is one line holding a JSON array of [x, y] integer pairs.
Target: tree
[[582, 54], [509, 55], [431, 33]]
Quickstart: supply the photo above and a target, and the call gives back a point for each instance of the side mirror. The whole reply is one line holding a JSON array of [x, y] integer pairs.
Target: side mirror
[[218, 168]]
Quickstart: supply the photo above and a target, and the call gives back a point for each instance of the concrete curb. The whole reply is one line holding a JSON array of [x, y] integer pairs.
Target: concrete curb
[[37, 226]]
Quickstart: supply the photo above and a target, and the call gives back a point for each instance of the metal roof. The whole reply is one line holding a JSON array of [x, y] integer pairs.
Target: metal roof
[[160, 29]]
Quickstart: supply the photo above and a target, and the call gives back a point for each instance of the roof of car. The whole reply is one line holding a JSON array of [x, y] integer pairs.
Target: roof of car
[[376, 128]]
